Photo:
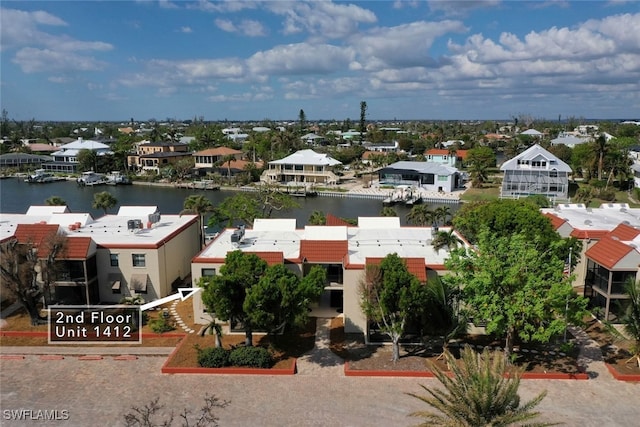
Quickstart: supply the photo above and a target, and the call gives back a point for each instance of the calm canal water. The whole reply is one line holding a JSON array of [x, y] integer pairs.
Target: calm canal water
[[16, 196]]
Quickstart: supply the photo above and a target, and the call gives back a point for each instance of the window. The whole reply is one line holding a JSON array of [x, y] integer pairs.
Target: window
[[114, 260], [298, 167], [208, 272], [138, 260]]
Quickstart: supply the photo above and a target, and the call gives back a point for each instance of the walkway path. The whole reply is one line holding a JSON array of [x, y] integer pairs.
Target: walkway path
[[321, 361]]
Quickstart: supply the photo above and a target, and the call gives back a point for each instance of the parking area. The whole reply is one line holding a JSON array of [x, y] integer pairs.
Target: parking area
[[100, 392]]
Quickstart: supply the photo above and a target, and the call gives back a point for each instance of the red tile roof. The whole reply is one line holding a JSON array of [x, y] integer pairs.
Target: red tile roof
[[415, 266], [625, 232], [271, 258], [77, 248], [588, 234], [218, 151], [38, 234], [333, 220], [35, 233], [608, 252], [323, 250], [556, 221]]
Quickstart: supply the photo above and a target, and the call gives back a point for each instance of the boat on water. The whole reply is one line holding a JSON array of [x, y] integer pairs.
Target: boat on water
[[91, 178], [41, 176], [117, 178]]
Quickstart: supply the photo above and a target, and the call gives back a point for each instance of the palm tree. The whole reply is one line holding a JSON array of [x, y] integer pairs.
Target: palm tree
[[317, 218], [55, 201], [631, 319], [214, 328], [442, 213], [228, 159], [104, 200], [479, 173], [420, 215], [388, 211], [197, 204], [483, 391], [600, 148], [445, 239]]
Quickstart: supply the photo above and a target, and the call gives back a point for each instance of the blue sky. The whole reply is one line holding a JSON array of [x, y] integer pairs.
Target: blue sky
[[255, 60]]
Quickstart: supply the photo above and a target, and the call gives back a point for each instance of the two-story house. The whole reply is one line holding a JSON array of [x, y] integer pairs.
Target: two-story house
[[151, 156], [535, 171], [65, 160], [302, 167]]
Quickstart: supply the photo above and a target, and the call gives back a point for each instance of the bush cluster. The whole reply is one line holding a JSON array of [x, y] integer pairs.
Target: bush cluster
[[251, 357], [161, 325], [213, 357]]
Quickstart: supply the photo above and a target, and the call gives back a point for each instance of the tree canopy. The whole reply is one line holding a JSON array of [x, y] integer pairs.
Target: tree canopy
[[281, 298], [224, 294], [516, 285], [104, 200], [245, 207], [391, 296]]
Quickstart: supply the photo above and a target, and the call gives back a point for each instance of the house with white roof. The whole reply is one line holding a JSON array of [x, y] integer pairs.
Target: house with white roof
[[66, 158], [430, 176], [570, 140], [302, 167], [343, 251], [136, 252], [535, 171], [532, 132], [611, 237]]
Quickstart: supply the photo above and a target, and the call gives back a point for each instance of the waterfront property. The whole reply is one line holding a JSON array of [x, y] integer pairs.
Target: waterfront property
[[342, 250], [151, 156], [136, 252], [303, 167], [610, 237], [425, 175], [65, 160], [535, 171]]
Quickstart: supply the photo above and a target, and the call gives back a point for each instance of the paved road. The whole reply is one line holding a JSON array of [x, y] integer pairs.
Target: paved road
[[100, 392]]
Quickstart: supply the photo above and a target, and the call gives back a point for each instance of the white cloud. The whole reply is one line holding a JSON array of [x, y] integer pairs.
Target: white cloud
[[33, 60], [301, 58], [247, 27], [321, 19], [460, 7], [186, 30], [405, 45], [20, 28]]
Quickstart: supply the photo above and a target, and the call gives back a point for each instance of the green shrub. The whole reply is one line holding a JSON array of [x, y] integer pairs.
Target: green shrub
[[213, 357], [253, 357], [161, 325]]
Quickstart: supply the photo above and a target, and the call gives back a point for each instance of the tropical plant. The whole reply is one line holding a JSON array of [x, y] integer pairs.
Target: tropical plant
[[55, 201], [317, 218], [445, 239], [197, 204], [388, 211], [104, 200], [482, 391], [421, 215], [631, 319]]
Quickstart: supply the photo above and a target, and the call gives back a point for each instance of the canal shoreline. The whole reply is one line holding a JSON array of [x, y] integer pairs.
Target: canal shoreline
[[351, 191]]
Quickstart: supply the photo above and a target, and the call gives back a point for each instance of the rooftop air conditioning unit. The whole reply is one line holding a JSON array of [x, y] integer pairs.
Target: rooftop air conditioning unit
[[238, 235]]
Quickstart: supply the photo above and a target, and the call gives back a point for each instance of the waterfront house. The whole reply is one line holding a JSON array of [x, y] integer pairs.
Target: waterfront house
[[215, 160], [302, 167], [136, 252], [151, 156], [445, 156], [65, 160], [342, 250], [535, 171], [427, 175]]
